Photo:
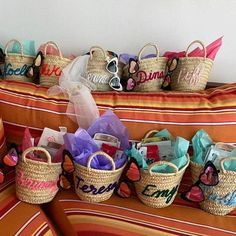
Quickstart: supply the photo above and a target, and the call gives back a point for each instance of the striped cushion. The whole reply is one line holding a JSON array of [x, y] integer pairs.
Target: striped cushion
[[25, 104], [19, 218], [125, 217]]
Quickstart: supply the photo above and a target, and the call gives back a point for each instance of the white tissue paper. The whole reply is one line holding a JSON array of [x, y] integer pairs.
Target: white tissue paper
[[74, 83]]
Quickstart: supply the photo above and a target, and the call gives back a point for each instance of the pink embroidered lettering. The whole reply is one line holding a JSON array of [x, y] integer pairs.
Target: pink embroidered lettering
[[35, 184], [144, 77], [191, 78]]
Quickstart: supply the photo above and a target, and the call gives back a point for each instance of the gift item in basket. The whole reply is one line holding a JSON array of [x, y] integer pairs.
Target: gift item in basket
[[104, 70], [52, 66], [16, 64], [150, 74], [95, 185], [192, 73], [36, 180], [156, 189], [221, 198]]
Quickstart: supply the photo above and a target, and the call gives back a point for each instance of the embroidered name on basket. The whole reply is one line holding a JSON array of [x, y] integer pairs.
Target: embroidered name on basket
[[191, 78], [228, 200], [8, 70], [101, 79], [92, 188], [145, 77], [152, 191], [34, 184], [48, 70]]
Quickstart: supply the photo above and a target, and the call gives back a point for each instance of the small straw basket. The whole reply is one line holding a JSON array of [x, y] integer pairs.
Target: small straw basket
[[52, 66], [16, 64], [95, 185], [158, 190], [219, 199], [36, 181], [192, 73]]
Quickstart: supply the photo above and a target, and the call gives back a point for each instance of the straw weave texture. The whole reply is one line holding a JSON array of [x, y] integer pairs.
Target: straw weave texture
[[40, 172], [226, 185], [97, 178], [161, 181]]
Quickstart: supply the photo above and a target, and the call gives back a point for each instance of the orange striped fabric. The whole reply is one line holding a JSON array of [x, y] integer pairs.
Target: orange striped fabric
[[25, 104], [18, 218], [124, 217]]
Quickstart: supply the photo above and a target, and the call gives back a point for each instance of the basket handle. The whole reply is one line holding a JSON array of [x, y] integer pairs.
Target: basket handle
[[223, 160], [170, 164], [103, 154], [199, 42], [12, 41], [94, 48], [53, 44], [225, 146], [148, 45], [151, 133], [28, 150]]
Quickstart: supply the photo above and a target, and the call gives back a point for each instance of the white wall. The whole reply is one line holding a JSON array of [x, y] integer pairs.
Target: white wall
[[125, 25]]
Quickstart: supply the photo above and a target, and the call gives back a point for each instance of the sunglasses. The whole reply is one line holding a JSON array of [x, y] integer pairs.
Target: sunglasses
[[34, 70], [209, 177], [130, 175], [10, 159], [170, 67], [112, 67], [129, 84], [66, 177]]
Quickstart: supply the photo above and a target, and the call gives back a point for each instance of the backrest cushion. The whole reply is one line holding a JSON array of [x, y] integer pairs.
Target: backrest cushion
[[182, 113]]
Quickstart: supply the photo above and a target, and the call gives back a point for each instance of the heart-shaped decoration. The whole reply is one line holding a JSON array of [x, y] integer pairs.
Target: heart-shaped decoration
[[131, 83], [63, 182], [195, 194], [210, 175], [11, 158], [133, 172], [133, 66], [124, 190], [115, 84]]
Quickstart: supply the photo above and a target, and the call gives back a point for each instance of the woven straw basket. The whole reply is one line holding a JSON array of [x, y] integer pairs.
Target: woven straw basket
[[158, 190], [96, 68], [192, 73], [151, 71], [225, 187], [36, 181], [52, 66], [101, 182], [16, 64]]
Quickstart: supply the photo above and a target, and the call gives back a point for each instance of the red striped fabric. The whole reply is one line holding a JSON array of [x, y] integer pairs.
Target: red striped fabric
[[183, 114], [118, 216], [19, 218]]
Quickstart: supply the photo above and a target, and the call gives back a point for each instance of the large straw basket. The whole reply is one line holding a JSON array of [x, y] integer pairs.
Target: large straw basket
[[52, 66], [96, 68], [151, 71], [36, 181], [158, 190], [95, 185], [219, 199], [16, 64], [192, 73]]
